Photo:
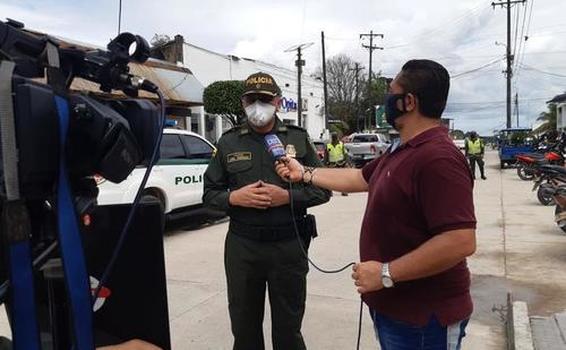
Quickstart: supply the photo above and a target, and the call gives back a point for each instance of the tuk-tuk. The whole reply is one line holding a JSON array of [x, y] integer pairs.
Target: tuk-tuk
[[513, 141]]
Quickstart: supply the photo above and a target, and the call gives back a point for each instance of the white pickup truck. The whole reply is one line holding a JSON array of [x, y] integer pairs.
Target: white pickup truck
[[176, 181], [362, 148]]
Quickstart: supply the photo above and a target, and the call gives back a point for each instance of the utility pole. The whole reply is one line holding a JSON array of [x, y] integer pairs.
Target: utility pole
[[509, 56], [324, 82], [357, 69], [517, 107], [120, 17], [370, 47], [299, 63]]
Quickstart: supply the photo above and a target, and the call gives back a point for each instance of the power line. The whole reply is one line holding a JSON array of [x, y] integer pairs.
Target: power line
[[432, 34], [526, 67], [491, 63]]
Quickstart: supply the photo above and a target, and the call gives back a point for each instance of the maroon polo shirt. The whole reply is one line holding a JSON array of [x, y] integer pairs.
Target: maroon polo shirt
[[416, 191]]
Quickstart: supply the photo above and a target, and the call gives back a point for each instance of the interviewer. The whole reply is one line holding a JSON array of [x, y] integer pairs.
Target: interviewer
[[419, 224]]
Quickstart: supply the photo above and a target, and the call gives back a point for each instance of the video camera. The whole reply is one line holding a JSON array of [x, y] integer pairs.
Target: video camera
[[51, 136]]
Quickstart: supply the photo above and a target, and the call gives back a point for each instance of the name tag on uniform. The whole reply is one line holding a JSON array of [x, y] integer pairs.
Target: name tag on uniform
[[238, 156]]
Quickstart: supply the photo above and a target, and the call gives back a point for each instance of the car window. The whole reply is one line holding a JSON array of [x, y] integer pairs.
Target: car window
[[365, 138], [198, 149], [171, 147]]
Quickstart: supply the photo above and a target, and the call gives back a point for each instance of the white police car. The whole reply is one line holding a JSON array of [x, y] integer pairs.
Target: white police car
[[176, 181]]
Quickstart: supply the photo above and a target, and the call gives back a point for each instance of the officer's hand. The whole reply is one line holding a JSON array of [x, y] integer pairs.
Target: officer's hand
[[289, 169], [367, 276], [251, 196], [279, 196]]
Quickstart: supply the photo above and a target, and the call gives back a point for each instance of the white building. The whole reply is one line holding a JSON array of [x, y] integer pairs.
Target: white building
[[560, 101], [208, 67]]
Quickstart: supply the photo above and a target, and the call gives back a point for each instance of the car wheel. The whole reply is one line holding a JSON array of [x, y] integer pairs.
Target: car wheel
[[150, 197], [502, 165]]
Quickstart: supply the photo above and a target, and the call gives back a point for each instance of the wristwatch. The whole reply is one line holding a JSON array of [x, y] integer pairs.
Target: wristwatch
[[386, 278]]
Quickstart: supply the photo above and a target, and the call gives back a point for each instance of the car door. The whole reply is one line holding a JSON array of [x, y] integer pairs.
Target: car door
[[199, 154], [171, 169]]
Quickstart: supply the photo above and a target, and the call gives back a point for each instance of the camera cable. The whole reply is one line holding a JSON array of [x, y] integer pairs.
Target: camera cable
[[326, 271], [137, 199]]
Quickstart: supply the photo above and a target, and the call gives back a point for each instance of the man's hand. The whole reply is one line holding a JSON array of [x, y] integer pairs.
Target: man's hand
[[279, 196], [289, 169], [251, 196], [367, 276]]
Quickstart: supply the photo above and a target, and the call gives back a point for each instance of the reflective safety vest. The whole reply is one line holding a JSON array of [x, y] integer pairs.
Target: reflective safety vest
[[335, 153], [474, 147]]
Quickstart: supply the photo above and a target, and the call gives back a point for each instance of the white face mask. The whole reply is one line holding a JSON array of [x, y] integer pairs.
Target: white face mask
[[260, 114]]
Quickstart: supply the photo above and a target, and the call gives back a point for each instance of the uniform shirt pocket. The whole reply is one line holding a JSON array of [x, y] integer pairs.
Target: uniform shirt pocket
[[239, 173]]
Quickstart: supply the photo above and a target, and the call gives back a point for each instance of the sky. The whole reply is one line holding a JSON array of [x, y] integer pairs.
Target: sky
[[461, 35]]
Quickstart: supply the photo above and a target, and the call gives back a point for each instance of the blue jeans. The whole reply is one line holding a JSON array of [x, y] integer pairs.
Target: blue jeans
[[398, 335]]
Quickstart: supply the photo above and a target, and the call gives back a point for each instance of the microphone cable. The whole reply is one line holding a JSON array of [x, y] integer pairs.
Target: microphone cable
[[326, 271]]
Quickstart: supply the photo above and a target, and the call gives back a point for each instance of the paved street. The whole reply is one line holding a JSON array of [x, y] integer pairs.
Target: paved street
[[520, 249]]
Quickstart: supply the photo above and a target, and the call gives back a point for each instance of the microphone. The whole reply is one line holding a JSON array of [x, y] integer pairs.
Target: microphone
[[274, 146]]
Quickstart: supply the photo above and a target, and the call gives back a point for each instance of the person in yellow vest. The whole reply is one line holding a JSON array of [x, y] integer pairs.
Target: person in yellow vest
[[475, 150], [336, 155]]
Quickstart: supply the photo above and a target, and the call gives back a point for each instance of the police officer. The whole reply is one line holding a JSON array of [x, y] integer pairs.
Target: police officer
[[475, 150], [262, 249], [336, 155]]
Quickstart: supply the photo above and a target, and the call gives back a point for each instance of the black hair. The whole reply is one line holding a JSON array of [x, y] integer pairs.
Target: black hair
[[430, 82]]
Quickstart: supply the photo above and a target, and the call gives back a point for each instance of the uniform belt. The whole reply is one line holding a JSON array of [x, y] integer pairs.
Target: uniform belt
[[267, 233]]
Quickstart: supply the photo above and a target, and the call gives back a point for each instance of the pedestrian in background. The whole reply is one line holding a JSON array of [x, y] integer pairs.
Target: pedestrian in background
[[475, 151], [262, 249]]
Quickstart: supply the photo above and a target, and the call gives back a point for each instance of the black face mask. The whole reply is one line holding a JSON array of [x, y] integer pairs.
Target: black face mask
[[392, 112]]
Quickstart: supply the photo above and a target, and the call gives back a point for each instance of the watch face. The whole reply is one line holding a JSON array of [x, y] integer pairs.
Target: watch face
[[387, 282]]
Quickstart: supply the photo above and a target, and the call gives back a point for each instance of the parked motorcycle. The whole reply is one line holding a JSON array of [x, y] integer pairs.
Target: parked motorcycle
[[559, 195], [528, 163], [549, 178]]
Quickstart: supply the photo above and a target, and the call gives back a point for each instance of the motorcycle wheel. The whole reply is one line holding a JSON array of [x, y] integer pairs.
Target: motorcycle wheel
[[544, 198], [562, 223], [524, 173]]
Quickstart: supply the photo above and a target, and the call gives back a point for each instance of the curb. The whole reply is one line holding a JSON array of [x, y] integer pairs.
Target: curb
[[519, 333]]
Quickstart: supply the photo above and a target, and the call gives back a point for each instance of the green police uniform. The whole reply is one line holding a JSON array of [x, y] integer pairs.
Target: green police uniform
[[261, 247]]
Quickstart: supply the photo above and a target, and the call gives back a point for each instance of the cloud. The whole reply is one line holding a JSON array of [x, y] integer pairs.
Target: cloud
[[459, 34]]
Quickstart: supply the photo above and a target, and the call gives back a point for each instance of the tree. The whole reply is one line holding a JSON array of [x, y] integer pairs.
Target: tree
[[458, 134], [223, 98], [341, 80], [549, 118]]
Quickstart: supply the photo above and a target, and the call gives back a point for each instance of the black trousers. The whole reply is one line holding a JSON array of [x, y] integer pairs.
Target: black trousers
[[251, 268], [473, 159]]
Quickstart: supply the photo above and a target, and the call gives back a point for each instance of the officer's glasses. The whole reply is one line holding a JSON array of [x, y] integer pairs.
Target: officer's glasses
[[252, 98]]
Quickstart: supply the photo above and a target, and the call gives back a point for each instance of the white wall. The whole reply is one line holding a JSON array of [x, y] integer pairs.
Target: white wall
[[561, 116], [208, 67]]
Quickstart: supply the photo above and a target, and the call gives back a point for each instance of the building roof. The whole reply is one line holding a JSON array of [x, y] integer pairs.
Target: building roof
[[177, 83], [558, 98], [179, 86]]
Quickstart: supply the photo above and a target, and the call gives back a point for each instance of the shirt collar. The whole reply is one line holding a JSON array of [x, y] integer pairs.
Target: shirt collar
[[427, 136]]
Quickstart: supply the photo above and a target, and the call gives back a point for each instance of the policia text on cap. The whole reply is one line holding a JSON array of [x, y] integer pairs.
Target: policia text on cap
[[261, 247]]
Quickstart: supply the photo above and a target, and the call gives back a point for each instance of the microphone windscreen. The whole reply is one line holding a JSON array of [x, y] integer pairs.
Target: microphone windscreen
[[274, 146]]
